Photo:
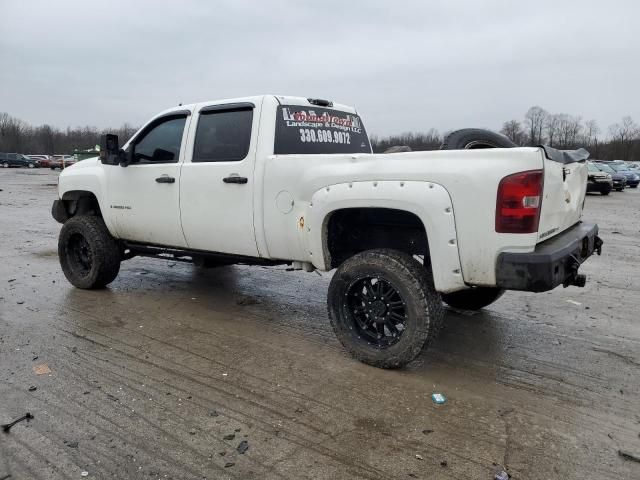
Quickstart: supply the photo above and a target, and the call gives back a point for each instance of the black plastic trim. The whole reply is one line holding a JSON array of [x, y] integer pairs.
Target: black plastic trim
[[321, 102], [59, 212], [153, 123], [150, 250], [228, 106], [552, 263], [174, 113]]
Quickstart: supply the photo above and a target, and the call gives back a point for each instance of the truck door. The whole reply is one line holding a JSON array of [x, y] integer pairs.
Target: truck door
[[144, 198], [217, 180]]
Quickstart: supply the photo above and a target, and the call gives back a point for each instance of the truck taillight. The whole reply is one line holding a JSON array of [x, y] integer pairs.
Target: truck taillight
[[518, 203]]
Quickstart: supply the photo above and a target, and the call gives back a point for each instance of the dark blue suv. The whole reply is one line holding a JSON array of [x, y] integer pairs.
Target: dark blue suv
[[17, 160], [633, 179]]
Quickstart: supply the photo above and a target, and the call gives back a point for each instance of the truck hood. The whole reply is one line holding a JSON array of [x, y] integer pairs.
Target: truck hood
[[87, 163]]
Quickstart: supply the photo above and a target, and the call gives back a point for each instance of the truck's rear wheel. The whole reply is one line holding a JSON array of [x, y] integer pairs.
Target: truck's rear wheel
[[383, 307], [474, 138], [89, 255], [473, 298]]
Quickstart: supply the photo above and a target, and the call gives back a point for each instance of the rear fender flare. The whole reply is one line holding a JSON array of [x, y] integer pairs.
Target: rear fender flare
[[430, 202]]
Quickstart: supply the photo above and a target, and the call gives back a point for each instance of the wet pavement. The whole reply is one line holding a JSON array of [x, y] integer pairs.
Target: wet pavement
[[166, 372]]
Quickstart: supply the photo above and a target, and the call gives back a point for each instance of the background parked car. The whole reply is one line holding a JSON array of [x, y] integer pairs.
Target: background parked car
[[17, 160], [633, 179], [619, 180], [61, 161], [43, 160], [634, 167], [598, 181]]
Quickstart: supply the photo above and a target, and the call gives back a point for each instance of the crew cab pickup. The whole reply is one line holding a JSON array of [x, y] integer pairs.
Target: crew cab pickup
[[284, 180]]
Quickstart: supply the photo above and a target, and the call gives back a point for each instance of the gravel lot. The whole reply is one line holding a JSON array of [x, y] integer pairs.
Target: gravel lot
[[163, 374]]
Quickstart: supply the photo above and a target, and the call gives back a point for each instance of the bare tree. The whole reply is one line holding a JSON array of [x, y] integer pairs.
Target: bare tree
[[513, 130], [591, 131], [17, 136], [590, 138], [569, 128], [431, 140], [535, 120], [551, 124], [624, 136]]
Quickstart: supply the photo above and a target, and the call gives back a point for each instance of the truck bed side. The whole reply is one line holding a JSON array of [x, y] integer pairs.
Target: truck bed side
[[470, 178]]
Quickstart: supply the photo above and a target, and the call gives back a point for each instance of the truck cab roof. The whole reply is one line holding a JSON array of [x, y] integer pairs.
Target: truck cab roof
[[257, 100]]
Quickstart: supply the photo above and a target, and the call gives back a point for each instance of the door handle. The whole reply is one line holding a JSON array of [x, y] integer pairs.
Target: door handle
[[165, 179], [235, 179]]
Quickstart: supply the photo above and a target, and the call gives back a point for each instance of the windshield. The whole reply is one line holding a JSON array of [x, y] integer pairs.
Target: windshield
[[619, 167], [605, 168], [593, 168], [316, 130]]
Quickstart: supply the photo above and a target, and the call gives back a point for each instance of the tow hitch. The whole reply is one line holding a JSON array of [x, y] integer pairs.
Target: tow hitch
[[597, 245], [578, 279]]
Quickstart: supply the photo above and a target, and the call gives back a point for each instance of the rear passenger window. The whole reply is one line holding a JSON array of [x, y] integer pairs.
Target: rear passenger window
[[223, 136]]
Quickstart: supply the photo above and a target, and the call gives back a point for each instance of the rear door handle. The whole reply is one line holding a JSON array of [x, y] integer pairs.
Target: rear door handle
[[235, 179], [165, 179]]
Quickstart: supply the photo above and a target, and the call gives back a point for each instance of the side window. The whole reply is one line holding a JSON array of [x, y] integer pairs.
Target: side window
[[160, 144], [223, 136]]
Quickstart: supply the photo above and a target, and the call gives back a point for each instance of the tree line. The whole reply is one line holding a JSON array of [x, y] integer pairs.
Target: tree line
[[17, 136], [559, 130]]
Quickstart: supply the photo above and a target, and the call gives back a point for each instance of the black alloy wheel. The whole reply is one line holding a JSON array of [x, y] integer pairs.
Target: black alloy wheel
[[79, 254], [378, 310]]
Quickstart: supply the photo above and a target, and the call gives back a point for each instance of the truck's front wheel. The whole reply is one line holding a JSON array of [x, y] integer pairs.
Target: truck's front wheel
[[473, 298], [89, 255], [383, 307]]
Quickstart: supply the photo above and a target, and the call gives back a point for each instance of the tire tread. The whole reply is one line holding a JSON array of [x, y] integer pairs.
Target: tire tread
[[105, 251], [419, 280]]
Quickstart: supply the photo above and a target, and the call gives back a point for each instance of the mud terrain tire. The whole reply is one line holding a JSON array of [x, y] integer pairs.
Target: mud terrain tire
[[404, 281], [474, 138], [89, 255]]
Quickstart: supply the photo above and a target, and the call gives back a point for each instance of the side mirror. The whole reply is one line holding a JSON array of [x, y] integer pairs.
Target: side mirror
[[109, 149], [125, 156]]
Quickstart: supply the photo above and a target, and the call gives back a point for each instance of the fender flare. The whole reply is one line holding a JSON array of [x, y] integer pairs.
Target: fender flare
[[429, 201], [74, 194]]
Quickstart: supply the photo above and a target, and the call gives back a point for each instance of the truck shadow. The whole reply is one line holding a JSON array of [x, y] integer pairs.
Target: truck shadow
[[291, 302], [468, 340]]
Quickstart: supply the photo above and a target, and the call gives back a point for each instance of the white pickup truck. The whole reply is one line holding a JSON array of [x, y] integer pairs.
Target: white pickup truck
[[286, 180]]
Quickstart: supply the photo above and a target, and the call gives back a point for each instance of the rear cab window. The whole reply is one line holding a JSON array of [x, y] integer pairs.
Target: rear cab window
[[223, 135], [312, 129]]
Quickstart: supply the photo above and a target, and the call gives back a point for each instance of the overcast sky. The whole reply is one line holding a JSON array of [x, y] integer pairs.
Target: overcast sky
[[406, 66]]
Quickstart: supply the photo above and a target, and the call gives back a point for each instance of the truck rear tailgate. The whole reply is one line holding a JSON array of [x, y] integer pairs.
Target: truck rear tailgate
[[565, 187]]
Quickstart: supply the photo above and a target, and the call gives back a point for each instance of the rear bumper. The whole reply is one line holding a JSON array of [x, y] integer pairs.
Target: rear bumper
[[553, 262]]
